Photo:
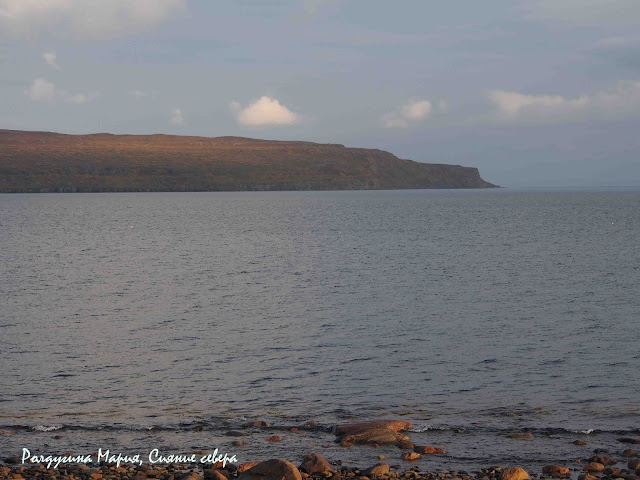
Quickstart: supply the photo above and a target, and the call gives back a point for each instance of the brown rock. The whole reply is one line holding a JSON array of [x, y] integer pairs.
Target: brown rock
[[579, 442], [514, 473], [603, 460], [214, 474], [593, 467], [96, 476], [258, 423], [274, 438], [629, 453], [274, 469], [634, 464], [381, 457], [355, 428], [246, 466], [556, 471], [429, 450], [239, 443], [192, 476], [586, 476], [378, 470], [612, 471], [520, 436], [635, 441], [411, 456], [379, 436], [406, 445], [315, 463]]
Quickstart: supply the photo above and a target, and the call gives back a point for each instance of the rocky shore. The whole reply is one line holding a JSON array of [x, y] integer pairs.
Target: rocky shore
[[598, 465]]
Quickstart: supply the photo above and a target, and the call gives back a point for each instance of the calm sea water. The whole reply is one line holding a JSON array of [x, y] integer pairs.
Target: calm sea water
[[135, 321]]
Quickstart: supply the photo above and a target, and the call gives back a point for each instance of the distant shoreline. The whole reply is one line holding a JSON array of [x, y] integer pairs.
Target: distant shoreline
[[44, 162]]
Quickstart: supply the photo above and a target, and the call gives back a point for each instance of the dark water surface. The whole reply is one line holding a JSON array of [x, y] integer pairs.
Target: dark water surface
[[127, 320]]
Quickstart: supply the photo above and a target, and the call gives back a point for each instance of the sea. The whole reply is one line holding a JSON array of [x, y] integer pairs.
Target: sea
[[140, 321]]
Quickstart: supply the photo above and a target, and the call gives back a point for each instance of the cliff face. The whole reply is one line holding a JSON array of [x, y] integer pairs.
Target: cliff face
[[51, 162]]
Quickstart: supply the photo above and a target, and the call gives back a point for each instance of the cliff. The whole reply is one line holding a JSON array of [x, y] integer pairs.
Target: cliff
[[52, 162]]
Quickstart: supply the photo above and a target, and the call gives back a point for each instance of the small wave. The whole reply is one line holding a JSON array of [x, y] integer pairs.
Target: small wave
[[46, 428], [426, 428]]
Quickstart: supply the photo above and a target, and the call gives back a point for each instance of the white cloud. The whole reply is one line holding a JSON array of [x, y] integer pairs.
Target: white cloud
[[139, 94], [79, 98], [264, 111], [50, 58], [585, 11], [85, 19], [619, 101], [42, 90], [411, 113], [176, 117]]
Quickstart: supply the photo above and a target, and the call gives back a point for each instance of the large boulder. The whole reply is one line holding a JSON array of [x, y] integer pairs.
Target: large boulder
[[355, 428], [514, 473], [274, 469], [380, 436], [315, 463]]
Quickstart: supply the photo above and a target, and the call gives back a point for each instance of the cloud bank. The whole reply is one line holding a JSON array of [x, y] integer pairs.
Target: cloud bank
[[42, 90], [85, 19], [263, 112], [620, 101], [409, 114]]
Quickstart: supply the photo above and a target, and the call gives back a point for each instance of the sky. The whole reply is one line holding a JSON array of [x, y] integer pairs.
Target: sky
[[532, 92]]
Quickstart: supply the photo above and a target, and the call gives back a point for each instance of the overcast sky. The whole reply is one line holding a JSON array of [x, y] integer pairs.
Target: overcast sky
[[532, 92]]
